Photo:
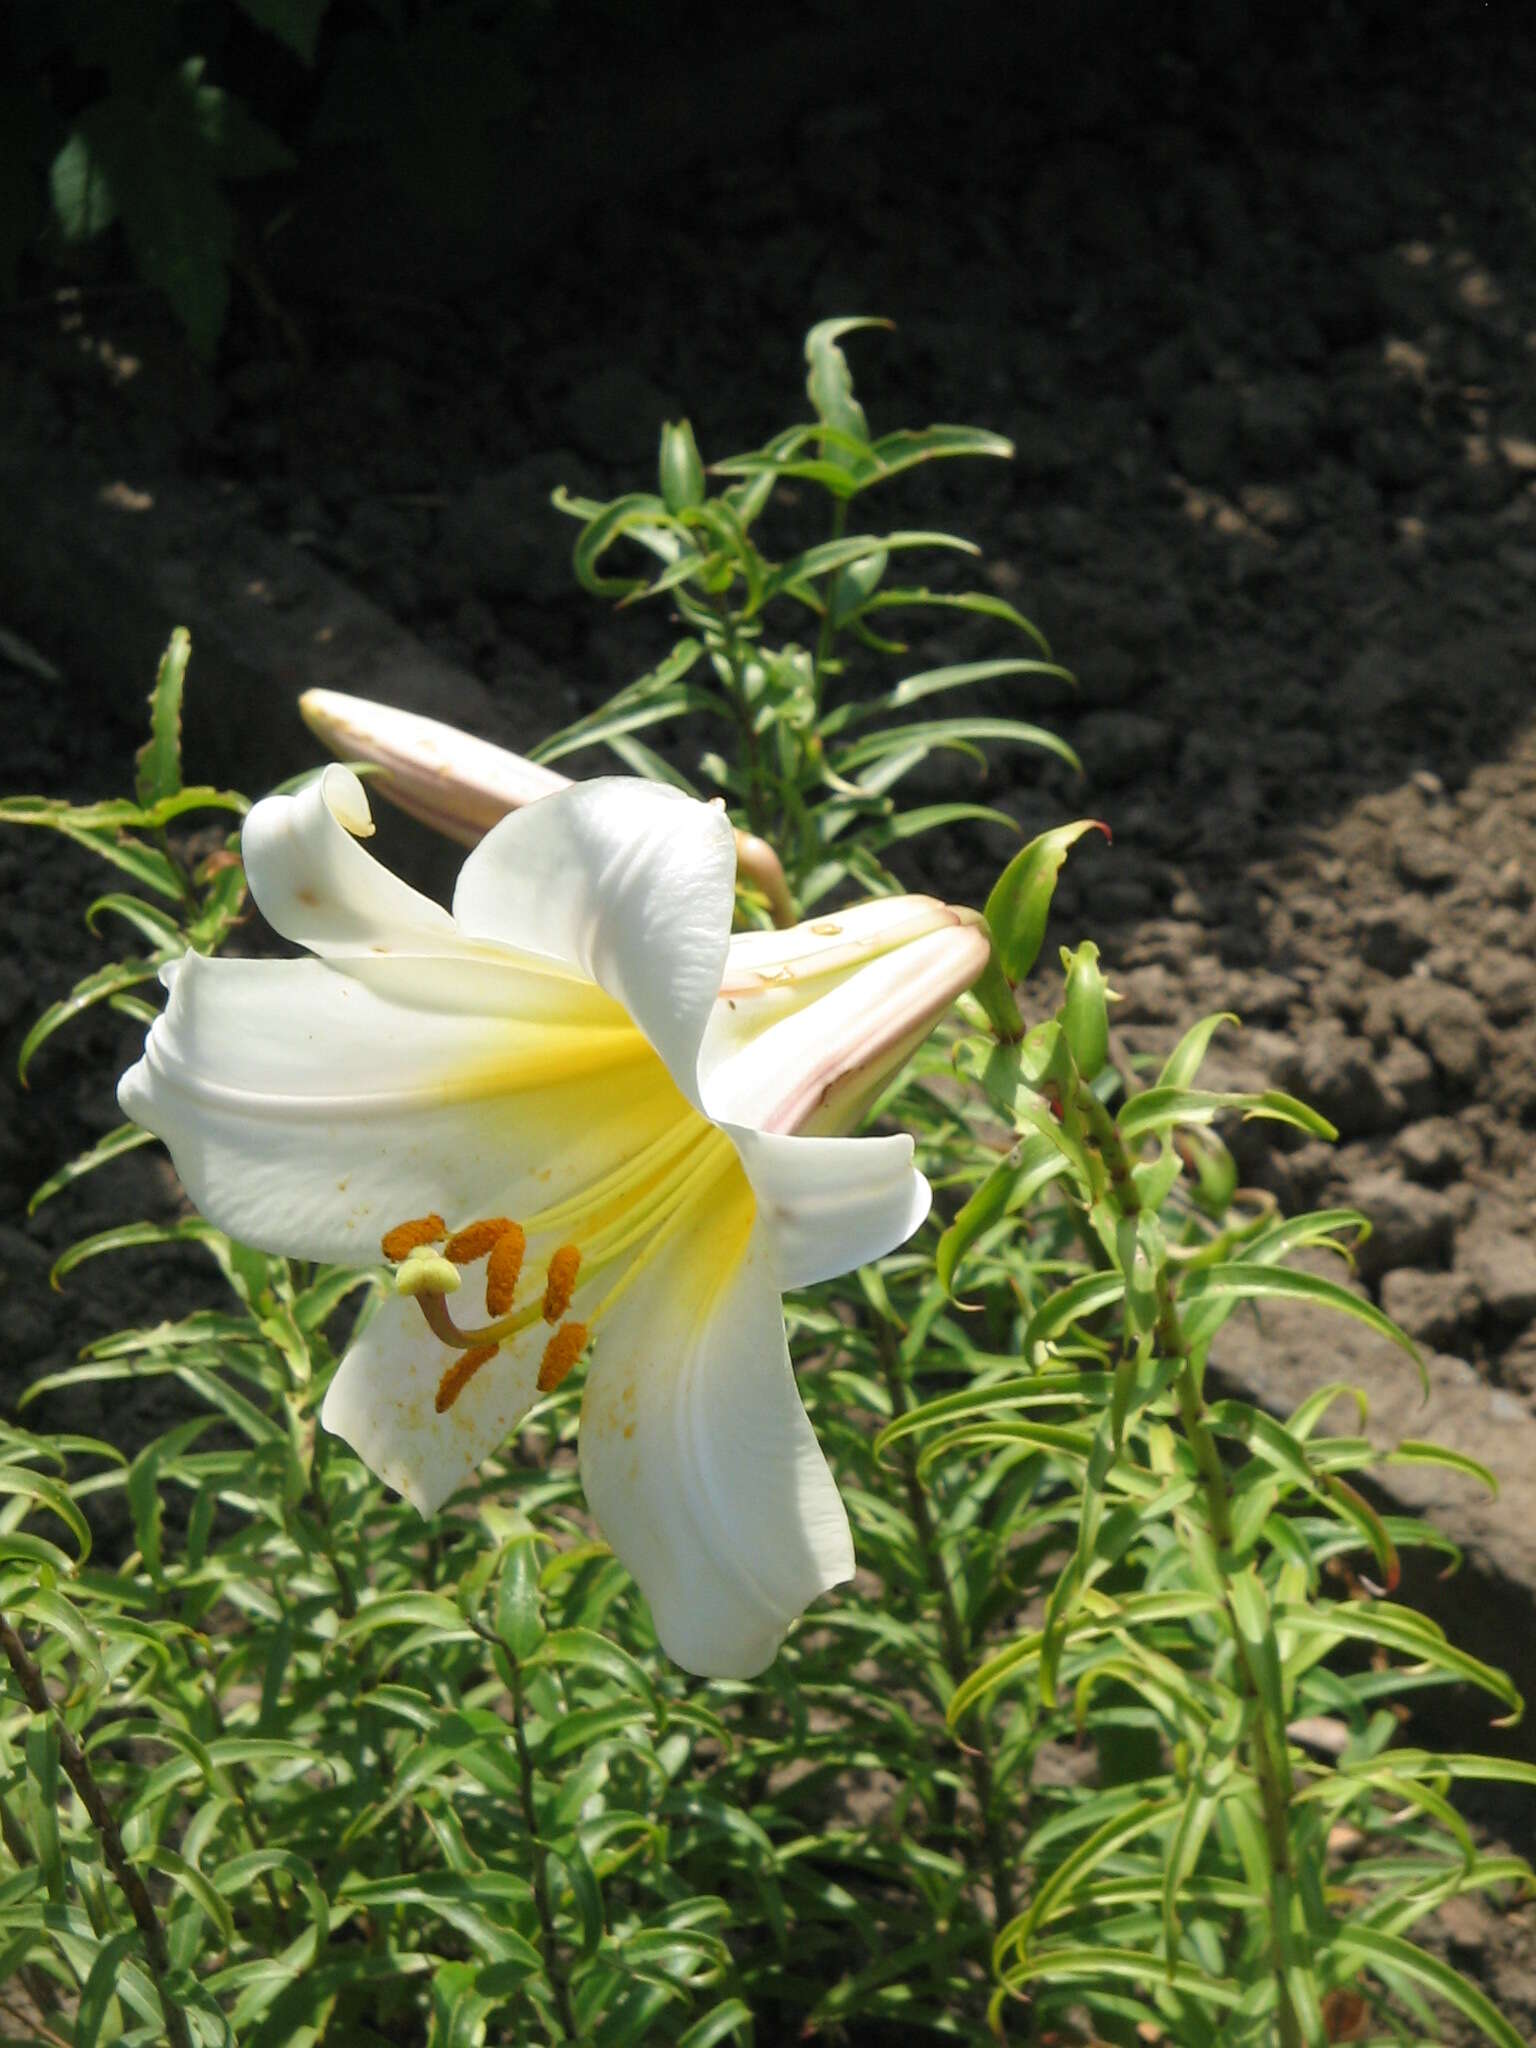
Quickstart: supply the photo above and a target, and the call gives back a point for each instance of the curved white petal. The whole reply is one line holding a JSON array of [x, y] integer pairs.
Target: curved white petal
[[809, 1055], [699, 1461], [826, 1205], [309, 1109], [314, 883], [382, 1402], [629, 882]]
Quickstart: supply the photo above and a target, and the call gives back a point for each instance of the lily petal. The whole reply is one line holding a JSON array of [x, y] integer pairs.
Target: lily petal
[[309, 1110], [698, 1459], [314, 883], [382, 1401], [826, 1205], [631, 883]]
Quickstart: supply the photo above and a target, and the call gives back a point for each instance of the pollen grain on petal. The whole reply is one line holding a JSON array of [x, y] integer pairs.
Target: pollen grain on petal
[[475, 1239], [459, 1375], [405, 1237], [504, 1268], [560, 1354], [560, 1284]]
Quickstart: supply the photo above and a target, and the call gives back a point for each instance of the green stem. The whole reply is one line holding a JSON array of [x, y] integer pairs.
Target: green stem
[[826, 639], [554, 1955], [78, 1769], [1268, 1755], [953, 1630]]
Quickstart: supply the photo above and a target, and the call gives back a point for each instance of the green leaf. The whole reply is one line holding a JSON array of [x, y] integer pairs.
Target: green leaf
[[519, 1603], [980, 603], [937, 732], [100, 1987], [1400, 1628], [1411, 1451], [1372, 1946], [1020, 901], [1240, 1281], [829, 381], [642, 517], [1028, 1167], [830, 555], [294, 22], [84, 203], [1160, 1108], [126, 1138], [1188, 1056], [1080, 1298], [157, 764], [954, 677]]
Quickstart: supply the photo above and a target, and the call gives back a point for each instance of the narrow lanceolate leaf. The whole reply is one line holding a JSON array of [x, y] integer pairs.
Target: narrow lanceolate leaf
[[1399, 1628], [126, 1138], [157, 765], [97, 988], [829, 381], [1023, 1173], [1020, 901], [1243, 1281], [1188, 1056], [1055, 1893], [1372, 1948], [1158, 1109], [1080, 1298]]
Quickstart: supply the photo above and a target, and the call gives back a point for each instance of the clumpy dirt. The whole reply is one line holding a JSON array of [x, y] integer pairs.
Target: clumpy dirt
[[1258, 311]]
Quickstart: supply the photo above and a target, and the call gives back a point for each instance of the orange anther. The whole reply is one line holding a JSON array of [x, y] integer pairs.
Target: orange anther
[[404, 1238], [506, 1263], [560, 1283], [459, 1375], [560, 1354], [474, 1240]]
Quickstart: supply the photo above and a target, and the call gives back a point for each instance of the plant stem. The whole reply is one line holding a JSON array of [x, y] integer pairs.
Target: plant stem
[[129, 1882], [952, 1627], [554, 1955], [1267, 1751]]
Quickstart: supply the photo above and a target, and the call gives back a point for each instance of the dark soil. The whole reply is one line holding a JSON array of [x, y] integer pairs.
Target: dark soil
[[1258, 310]]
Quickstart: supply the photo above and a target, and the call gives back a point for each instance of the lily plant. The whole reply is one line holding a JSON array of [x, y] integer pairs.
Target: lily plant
[[574, 1118]]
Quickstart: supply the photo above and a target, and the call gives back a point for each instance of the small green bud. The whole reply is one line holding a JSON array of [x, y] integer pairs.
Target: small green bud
[[682, 471], [1085, 1010]]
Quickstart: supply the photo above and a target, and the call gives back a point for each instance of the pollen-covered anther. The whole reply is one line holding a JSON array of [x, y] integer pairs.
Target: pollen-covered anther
[[560, 1354], [459, 1375], [504, 1268], [404, 1238], [560, 1281], [475, 1239]]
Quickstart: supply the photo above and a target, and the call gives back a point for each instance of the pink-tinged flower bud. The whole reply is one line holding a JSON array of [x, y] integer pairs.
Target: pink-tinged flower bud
[[462, 786]]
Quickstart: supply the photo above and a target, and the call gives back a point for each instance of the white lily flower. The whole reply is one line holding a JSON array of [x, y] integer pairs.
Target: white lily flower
[[567, 1114]]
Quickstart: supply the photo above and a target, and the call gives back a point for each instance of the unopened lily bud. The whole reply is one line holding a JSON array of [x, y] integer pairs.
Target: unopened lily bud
[[682, 472], [813, 1022], [1085, 1009], [459, 785], [462, 786]]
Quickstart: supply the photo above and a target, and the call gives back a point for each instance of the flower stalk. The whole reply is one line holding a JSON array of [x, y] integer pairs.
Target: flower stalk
[[78, 1769]]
